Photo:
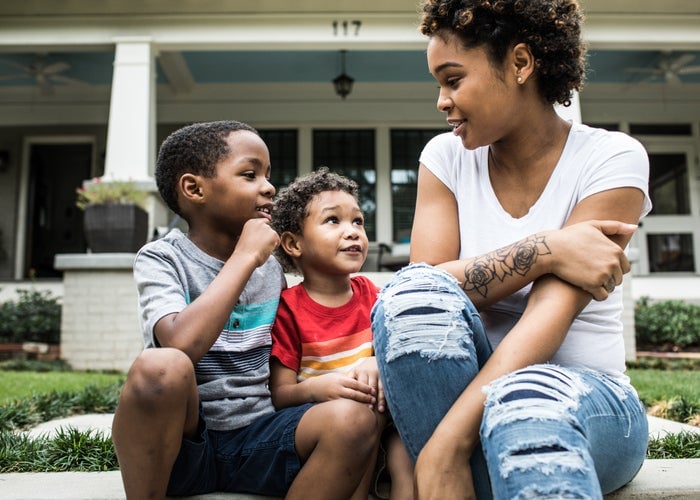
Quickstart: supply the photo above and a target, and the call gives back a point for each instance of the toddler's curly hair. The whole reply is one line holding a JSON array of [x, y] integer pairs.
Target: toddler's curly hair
[[292, 202], [550, 28]]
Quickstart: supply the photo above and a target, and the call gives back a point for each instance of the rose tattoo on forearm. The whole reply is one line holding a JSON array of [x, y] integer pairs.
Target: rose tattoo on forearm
[[516, 258]]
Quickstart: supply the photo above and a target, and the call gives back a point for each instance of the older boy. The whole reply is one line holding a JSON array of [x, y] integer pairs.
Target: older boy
[[195, 414]]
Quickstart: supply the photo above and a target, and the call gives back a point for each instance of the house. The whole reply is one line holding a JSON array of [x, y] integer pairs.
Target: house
[[91, 89]]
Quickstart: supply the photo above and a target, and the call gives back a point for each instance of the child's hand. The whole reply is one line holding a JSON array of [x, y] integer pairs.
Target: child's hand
[[337, 385], [257, 239], [368, 373]]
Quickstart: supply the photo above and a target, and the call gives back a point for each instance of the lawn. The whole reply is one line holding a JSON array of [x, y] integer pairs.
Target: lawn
[[653, 385], [17, 385], [661, 385], [31, 395], [670, 394]]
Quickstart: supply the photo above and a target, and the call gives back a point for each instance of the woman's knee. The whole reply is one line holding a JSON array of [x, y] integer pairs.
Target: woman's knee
[[532, 432], [424, 311], [537, 395]]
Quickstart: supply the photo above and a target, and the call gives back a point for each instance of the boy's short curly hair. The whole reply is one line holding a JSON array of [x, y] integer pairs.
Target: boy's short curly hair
[[195, 149], [291, 205], [550, 28]]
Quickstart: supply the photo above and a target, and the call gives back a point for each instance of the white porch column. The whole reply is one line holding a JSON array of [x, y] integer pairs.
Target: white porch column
[[131, 131]]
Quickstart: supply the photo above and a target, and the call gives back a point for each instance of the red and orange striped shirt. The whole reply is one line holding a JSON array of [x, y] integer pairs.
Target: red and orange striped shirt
[[313, 339]]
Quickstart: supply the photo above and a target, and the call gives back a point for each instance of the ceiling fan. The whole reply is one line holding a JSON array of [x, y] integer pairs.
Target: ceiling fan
[[670, 68], [44, 73]]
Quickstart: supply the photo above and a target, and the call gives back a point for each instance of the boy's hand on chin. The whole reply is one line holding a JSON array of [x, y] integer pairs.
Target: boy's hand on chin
[[257, 239]]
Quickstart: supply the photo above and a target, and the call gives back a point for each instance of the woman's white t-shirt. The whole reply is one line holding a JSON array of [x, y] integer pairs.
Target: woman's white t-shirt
[[593, 160]]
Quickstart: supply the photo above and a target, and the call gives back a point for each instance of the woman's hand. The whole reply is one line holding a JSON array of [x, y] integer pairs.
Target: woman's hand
[[586, 256], [442, 471]]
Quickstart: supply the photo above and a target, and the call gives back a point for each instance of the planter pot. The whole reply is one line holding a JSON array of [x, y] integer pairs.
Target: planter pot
[[115, 228]]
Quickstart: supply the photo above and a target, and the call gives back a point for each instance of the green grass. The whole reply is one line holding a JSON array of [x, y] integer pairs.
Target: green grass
[[681, 445], [659, 385], [70, 450], [670, 390], [22, 414], [16, 385], [43, 392]]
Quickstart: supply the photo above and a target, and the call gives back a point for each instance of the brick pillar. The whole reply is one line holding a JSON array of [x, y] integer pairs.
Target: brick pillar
[[99, 324]]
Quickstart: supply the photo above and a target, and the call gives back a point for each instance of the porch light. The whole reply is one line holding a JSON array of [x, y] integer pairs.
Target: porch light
[[343, 83]]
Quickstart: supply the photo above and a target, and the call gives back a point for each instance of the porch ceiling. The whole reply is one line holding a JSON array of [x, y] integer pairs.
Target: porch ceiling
[[185, 69]]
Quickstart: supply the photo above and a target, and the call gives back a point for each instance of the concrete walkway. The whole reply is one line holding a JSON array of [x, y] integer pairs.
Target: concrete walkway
[[102, 422], [668, 479]]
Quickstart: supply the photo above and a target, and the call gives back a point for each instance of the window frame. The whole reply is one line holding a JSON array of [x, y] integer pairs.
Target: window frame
[[670, 224]]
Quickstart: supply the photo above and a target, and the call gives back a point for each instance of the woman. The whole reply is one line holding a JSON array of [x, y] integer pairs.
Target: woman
[[516, 207]]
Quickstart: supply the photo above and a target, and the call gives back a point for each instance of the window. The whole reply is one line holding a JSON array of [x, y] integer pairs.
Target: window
[[283, 155], [606, 126], [351, 153], [670, 252], [668, 237], [661, 129], [668, 184], [406, 146]]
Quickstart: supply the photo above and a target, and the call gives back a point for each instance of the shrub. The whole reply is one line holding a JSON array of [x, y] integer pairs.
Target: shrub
[[69, 450], [28, 412], [671, 323], [678, 409], [681, 445], [34, 365], [34, 317]]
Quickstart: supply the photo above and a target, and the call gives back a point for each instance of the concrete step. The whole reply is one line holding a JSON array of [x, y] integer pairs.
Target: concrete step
[[667, 479]]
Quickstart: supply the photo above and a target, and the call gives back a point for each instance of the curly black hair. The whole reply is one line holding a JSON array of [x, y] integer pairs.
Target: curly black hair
[[196, 149], [550, 28], [291, 205]]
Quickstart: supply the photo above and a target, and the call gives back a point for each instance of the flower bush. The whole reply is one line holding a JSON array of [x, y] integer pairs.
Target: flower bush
[[100, 192]]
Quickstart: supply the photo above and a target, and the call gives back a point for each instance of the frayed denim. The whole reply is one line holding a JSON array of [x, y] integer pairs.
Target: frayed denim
[[547, 431]]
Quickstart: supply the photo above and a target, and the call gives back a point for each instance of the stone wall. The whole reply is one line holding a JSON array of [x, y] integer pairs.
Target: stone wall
[[99, 325]]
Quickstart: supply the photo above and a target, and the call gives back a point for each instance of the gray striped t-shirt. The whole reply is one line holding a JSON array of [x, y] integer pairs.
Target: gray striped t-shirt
[[233, 376]]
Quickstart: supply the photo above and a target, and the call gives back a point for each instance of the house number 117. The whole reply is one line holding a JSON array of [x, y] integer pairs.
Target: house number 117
[[343, 27]]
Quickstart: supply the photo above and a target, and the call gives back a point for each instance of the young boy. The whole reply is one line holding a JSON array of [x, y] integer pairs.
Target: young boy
[[321, 338], [195, 414]]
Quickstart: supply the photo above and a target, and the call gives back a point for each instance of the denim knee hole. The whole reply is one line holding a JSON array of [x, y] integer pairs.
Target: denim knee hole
[[426, 317]]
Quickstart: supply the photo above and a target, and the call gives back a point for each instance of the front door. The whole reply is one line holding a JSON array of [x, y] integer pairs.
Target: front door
[[54, 223]]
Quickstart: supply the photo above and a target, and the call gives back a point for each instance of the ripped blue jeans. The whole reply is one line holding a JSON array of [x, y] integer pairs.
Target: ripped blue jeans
[[547, 431]]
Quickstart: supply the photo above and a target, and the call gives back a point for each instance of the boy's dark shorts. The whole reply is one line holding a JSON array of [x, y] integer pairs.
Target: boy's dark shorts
[[260, 458]]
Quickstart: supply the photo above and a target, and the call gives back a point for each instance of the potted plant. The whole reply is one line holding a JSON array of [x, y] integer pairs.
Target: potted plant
[[115, 218]]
